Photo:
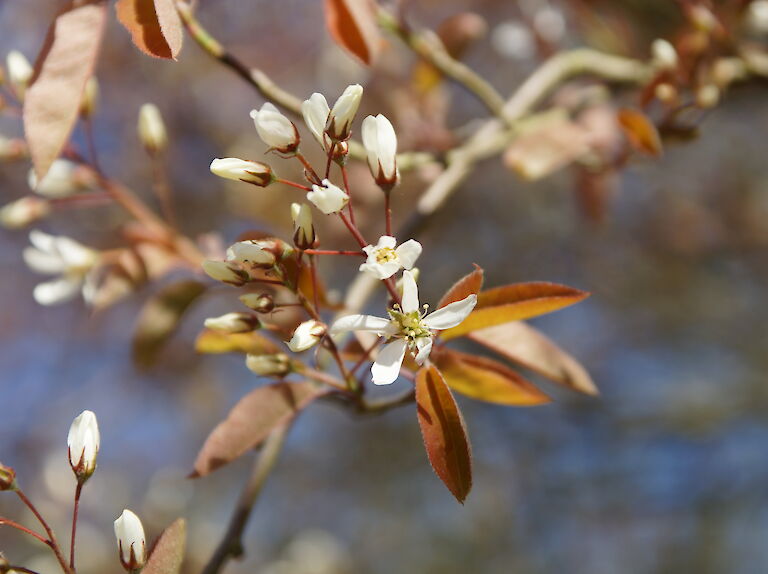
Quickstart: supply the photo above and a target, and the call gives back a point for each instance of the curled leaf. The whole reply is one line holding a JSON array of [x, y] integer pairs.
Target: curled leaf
[[640, 131], [526, 346], [444, 432], [67, 60], [168, 553], [250, 422], [352, 23], [487, 380], [515, 302], [154, 25]]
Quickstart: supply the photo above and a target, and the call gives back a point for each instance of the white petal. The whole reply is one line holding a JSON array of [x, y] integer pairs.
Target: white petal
[[42, 240], [410, 293], [360, 323], [408, 253], [73, 253], [56, 291], [424, 345], [452, 314], [386, 368], [381, 270], [42, 262], [386, 241], [315, 111]]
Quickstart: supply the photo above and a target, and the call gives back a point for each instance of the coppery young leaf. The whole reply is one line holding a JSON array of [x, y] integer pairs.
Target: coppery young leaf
[[168, 554], [526, 346], [515, 302], [67, 60], [467, 285], [487, 380], [444, 432], [160, 318], [352, 23], [251, 421], [640, 131], [154, 25]]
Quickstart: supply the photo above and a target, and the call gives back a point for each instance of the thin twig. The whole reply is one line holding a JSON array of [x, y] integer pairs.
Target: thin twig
[[51, 542], [231, 545], [76, 509], [24, 529]]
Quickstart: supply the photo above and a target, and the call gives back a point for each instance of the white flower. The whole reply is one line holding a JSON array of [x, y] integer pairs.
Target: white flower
[[664, 54], [130, 541], [237, 169], [275, 129], [232, 323], [20, 72], [384, 260], [380, 143], [23, 211], [406, 328], [225, 272], [83, 442], [306, 335], [340, 119], [60, 181], [315, 111], [250, 252], [151, 128], [303, 230], [65, 257], [328, 198], [269, 365]]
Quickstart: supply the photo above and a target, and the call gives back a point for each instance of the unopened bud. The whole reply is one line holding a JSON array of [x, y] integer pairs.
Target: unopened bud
[[306, 335], [275, 130], [339, 124], [233, 323], [269, 365], [259, 302], [707, 96], [380, 143], [131, 543], [664, 55], [20, 72], [702, 18], [83, 445], [303, 230], [415, 272], [90, 99], [666, 93], [11, 149], [7, 478], [254, 253], [5, 566], [225, 272], [152, 132], [254, 172], [23, 212], [62, 180]]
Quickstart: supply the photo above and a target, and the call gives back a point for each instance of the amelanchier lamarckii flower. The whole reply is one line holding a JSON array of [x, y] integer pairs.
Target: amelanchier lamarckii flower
[[380, 143], [131, 541], [306, 335], [63, 179], [72, 262], [384, 260], [328, 198], [253, 172], [151, 129], [315, 111], [339, 122], [407, 328], [83, 445], [232, 323], [275, 130], [250, 252]]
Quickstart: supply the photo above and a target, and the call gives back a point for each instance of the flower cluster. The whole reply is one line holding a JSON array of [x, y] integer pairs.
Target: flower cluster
[[407, 328]]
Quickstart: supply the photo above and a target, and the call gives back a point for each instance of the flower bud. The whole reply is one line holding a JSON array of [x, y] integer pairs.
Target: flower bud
[[269, 365], [22, 212], [306, 335], [233, 323], [62, 180], [303, 231], [90, 98], [7, 478], [275, 130], [339, 122], [666, 93], [5, 566], [225, 272], [708, 96], [20, 72], [664, 55], [251, 252], [12, 149], [259, 302], [83, 445], [315, 111], [131, 543], [254, 172], [380, 143], [328, 198], [151, 127]]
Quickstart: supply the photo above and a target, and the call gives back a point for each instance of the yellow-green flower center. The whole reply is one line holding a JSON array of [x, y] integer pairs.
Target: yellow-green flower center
[[410, 325], [385, 255]]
